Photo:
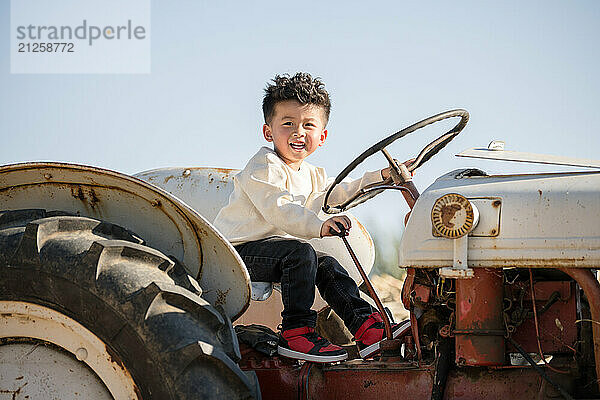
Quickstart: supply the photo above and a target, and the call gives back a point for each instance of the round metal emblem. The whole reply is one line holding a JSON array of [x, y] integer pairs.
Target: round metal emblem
[[452, 216]]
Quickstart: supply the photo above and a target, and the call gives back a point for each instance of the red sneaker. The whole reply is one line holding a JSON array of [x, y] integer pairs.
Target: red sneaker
[[304, 344], [370, 334]]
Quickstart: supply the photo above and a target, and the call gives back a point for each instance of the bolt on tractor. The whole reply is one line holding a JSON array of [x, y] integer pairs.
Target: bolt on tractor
[[119, 287]]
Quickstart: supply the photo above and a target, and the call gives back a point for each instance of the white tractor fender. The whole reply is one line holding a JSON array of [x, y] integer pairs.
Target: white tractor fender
[[165, 222]]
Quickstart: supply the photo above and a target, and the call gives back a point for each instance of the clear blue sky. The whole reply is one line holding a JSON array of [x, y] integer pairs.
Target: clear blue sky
[[528, 72]]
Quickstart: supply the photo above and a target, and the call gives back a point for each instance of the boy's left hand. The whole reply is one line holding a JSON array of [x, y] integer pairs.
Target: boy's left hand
[[385, 173]]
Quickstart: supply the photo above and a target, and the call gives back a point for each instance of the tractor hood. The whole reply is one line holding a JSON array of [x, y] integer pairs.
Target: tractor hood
[[534, 220], [164, 222]]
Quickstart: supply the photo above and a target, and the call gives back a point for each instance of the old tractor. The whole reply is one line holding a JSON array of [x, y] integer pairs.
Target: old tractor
[[116, 286]]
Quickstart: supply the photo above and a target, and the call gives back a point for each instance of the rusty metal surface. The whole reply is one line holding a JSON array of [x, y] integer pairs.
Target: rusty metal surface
[[591, 287], [546, 220], [283, 379], [479, 329], [558, 331], [207, 190], [165, 222]]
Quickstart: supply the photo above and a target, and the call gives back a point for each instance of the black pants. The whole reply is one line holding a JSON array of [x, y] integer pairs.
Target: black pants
[[299, 268]]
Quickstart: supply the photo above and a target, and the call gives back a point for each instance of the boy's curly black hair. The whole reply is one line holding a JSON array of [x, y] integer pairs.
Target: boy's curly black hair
[[301, 87]]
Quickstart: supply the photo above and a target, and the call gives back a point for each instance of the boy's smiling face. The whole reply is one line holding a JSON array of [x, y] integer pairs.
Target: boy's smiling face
[[296, 130]]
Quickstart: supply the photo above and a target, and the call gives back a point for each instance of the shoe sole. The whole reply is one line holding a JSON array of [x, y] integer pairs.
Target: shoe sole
[[374, 348], [310, 357]]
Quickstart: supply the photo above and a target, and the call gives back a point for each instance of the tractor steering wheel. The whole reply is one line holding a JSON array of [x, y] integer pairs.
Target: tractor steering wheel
[[400, 174]]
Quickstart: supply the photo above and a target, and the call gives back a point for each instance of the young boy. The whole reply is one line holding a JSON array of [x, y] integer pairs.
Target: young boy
[[274, 205]]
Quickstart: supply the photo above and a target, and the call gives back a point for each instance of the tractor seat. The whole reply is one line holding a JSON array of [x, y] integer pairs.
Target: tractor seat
[[207, 190]]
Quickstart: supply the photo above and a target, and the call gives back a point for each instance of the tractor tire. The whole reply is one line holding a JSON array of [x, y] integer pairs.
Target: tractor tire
[[146, 312]]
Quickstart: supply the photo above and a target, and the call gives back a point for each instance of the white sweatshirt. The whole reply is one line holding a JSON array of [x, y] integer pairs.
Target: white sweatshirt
[[271, 199]]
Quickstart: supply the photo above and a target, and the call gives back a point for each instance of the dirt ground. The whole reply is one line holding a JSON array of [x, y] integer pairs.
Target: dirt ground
[[389, 290]]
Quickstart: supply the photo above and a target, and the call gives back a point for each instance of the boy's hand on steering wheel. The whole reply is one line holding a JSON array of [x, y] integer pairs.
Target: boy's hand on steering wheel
[[385, 173], [331, 224]]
